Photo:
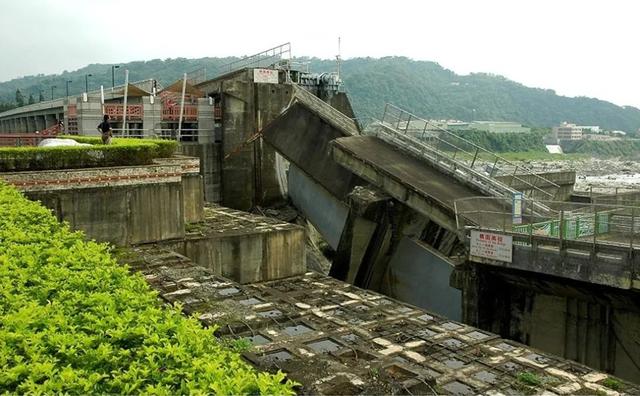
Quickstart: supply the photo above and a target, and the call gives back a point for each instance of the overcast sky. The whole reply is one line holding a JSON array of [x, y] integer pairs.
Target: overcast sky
[[578, 48]]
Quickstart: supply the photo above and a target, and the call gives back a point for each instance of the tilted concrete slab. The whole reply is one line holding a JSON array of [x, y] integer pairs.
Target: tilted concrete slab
[[302, 136], [404, 177]]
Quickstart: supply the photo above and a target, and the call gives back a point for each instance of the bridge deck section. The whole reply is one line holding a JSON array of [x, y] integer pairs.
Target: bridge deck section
[[406, 178]]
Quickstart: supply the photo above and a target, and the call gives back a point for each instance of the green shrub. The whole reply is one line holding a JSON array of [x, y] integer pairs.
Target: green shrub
[[123, 152], [74, 321]]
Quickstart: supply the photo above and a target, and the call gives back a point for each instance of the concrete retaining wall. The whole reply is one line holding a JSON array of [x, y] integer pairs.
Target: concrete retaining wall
[[193, 198], [587, 323], [566, 180], [121, 215], [250, 257], [122, 205]]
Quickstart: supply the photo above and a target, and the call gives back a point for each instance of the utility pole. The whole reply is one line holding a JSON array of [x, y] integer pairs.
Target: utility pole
[[86, 82], [124, 106], [339, 58], [67, 83], [113, 76], [184, 86]]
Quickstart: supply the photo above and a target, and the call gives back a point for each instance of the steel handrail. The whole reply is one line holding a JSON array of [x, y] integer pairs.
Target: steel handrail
[[332, 115], [481, 181], [476, 146]]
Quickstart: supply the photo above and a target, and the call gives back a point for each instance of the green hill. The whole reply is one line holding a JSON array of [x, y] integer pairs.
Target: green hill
[[424, 88]]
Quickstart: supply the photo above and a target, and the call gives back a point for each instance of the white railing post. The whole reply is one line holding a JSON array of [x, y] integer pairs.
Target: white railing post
[[124, 106], [184, 88]]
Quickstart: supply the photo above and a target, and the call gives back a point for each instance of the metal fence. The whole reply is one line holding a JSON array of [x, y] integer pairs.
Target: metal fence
[[186, 135], [390, 130], [597, 223], [464, 152], [261, 59]]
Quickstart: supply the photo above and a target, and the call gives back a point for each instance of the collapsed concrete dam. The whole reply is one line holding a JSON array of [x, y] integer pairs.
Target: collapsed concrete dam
[[405, 211]]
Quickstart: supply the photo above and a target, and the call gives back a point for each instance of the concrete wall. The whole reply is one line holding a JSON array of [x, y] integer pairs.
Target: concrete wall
[[121, 215], [248, 257], [608, 265], [323, 210], [591, 324], [622, 198], [193, 198], [122, 205], [303, 138], [248, 174], [420, 276], [210, 167], [566, 180]]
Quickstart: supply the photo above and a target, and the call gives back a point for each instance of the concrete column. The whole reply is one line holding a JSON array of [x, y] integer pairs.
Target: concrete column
[[206, 123], [366, 209], [40, 122], [49, 120], [238, 178], [89, 116]]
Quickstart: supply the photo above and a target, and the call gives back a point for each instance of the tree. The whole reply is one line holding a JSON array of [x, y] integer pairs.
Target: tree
[[41, 99], [19, 98], [32, 100]]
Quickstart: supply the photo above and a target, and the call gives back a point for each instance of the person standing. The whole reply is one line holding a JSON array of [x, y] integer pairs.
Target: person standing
[[105, 130]]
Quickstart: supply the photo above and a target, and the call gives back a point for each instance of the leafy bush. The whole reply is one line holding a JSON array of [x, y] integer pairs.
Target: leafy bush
[[123, 152], [74, 321], [164, 148]]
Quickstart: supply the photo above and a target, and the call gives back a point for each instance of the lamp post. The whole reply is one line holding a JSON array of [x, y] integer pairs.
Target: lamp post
[[113, 75], [86, 82], [52, 88], [68, 81]]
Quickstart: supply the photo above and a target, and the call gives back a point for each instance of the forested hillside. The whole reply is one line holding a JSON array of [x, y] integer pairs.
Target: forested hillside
[[424, 88]]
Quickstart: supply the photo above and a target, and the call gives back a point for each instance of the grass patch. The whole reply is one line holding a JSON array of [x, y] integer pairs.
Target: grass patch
[[529, 378], [76, 322], [122, 152], [613, 383]]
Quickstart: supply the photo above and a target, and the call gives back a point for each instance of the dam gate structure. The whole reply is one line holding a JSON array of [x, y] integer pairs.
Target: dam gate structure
[[417, 214]]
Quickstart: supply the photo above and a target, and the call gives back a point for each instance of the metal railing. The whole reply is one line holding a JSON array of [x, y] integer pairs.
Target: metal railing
[[325, 110], [568, 221], [464, 152], [480, 180], [264, 59], [595, 191], [173, 112], [29, 138], [116, 111], [186, 134]]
